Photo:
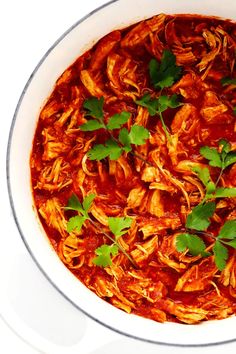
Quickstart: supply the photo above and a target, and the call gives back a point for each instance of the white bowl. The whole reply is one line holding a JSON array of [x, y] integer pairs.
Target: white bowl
[[73, 43]]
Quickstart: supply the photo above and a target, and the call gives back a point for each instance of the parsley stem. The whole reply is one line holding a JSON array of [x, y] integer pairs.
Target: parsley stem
[[141, 158], [165, 128], [114, 241], [204, 233], [219, 177]]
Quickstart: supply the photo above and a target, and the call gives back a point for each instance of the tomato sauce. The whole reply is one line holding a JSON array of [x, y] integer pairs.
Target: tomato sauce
[[60, 165]]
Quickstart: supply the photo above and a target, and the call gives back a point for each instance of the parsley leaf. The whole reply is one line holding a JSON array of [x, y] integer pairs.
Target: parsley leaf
[[228, 230], [111, 149], [74, 204], [118, 119], [164, 74], [88, 201], [125, 139], [75, 223], [168, 102], [224, 193], [104, 254], [221, 159], [212, 155], [221, 255], [91, 125], [198, 219], [230, 159], [149, 103], [138, 134], [98, 152], [232, 243], [94, 106], [119, 226], [193, 243], [203, 174], [228, 81], [205, 178], [158, 106], [224, 146]]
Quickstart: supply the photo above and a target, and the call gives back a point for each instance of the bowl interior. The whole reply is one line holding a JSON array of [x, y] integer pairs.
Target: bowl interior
[[74, 42]]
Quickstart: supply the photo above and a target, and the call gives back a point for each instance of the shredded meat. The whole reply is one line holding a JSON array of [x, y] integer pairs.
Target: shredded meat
[[157, 190]]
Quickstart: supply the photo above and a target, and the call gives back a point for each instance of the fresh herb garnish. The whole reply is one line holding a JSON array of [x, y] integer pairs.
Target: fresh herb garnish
[[118, 227], [158, 106], [228, 81], [205, 178], [104, 254], [137, 136], [162, 75], [113, 147], [76, 222], [222, 158], [221, 255], [199, 219], [196, 246], [100, 151], [94, 107], [165, 73], [193, 243], [117, 120], [227, 236]]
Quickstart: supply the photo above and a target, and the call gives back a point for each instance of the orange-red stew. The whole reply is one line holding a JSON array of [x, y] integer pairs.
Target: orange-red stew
[[157, 192]]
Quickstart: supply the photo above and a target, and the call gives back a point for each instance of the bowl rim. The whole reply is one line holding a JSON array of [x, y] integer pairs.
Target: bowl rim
[[11, 198]]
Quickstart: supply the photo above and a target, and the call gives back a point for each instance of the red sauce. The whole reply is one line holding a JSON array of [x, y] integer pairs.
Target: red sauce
[[113, 189]]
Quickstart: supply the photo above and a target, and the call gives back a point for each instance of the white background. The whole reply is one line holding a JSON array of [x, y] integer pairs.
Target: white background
[[36, 319]]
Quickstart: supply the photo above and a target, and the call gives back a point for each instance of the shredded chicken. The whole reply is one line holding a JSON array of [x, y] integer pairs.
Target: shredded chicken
[[153, 182]]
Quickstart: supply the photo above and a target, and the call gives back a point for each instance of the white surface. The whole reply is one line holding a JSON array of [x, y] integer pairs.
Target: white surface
[[29, 304]]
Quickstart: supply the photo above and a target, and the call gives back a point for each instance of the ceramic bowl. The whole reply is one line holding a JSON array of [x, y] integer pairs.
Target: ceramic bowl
[[79, 38]]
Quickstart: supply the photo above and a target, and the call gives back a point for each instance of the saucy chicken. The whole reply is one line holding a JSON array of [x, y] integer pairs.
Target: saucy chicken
[[118, 161]]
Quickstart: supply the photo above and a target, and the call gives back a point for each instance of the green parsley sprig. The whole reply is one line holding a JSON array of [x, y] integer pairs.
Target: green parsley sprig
[[76, 222], [162, 75], [199, 219], [113, 147], [221, 158], [118, 227], [196, 246], [156, 106], [165, 73]]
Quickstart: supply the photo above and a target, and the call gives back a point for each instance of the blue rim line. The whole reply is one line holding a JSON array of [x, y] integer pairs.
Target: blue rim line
[[14, 212]]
